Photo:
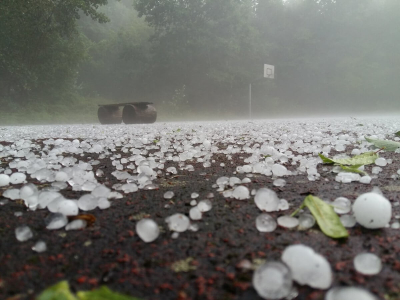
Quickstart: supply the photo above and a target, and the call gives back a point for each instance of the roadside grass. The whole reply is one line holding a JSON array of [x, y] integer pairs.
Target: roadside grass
[[83, 110], [80, 110]]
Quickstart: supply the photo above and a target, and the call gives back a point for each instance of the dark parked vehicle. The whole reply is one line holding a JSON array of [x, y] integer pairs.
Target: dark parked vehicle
[[132, 113]]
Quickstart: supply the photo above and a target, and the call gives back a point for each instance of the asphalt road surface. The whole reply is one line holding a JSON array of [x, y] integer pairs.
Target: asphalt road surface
[[216, 256]]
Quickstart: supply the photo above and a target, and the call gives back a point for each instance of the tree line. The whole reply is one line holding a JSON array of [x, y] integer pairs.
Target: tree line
[[201, 55]]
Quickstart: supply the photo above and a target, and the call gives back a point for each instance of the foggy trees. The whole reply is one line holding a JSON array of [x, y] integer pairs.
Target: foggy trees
[[119, 55], [207, 46], [40, 48], [333, 55], [329, 55]]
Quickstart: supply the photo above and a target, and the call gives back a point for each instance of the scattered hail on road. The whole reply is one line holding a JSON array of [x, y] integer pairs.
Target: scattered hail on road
[[277, 149]]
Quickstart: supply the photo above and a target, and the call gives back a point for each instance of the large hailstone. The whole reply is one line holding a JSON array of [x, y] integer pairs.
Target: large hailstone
[[17, 178], [67, 207], [372, 210], [178, 222], [148, 230], [204, 205], [55, 221], [76, 224], [241, 193], [307, 266], [265, 223], [367, 263], [23, 233], [349, 293], [266, 200], [272, 280], [4, 180], [87, 202], [195, 213]]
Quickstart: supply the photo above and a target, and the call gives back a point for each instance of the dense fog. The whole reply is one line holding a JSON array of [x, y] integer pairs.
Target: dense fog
[[195, 59]]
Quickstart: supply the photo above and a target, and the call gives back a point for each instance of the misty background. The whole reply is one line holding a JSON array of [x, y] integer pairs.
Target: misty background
[[195, 58]]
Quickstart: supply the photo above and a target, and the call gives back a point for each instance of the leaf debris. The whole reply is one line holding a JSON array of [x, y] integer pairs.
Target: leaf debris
[[328, 221]]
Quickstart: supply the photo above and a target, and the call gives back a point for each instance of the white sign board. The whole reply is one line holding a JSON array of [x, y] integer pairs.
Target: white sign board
[[269, 71]]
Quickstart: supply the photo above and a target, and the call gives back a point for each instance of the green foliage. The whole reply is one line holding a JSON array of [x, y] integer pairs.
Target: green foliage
[[41, 48], [328, 221], [384, 144], [357, 160], [183, 265], [76, 110], [325, 52], [333, 51], [118, 65], [207, 46], [103, 293], [61, 291], [352, 164], [353, 169]]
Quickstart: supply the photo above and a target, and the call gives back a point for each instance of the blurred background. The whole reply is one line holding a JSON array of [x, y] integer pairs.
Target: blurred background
[[195, 59]]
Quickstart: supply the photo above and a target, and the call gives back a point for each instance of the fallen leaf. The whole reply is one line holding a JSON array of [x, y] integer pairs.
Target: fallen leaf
[[366, 158], [89, 218], [59, 291], [183, 265], [103, 293], [325, 159], [353, 169], [328, 221], [385, 144], [138, 216]]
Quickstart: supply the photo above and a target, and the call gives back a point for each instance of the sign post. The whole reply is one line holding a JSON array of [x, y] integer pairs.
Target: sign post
[[269, 72], [250, 101]]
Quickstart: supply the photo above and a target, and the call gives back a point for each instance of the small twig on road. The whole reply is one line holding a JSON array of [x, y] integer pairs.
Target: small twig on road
[[379, 150]]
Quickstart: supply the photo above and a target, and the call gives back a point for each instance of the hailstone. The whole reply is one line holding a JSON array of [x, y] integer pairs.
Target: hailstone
[[372, 210]]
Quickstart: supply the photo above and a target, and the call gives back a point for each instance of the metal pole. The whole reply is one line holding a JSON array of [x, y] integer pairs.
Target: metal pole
[[250, 101]]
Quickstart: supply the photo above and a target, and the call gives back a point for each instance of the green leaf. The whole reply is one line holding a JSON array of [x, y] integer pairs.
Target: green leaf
[[103, 293], [385, 144], [59, 291], [326, 160], [183, 265], [397, 133], [327, 219], [362, 159], [353, 169]]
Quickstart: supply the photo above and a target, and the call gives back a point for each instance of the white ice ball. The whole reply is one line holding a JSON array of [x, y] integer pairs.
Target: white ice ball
[[372, 210], [68, 207], [4, 180], [307, 266], [349, 293], [272, 280], [148, 230]]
